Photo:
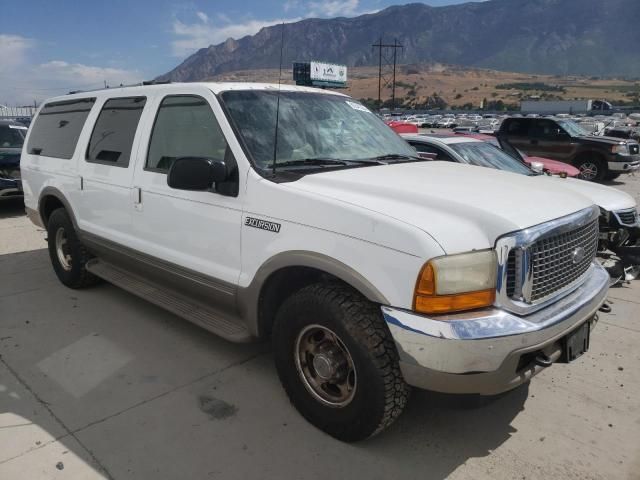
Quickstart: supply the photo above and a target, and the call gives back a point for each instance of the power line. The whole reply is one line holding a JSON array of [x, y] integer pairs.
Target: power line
[[383, 53]]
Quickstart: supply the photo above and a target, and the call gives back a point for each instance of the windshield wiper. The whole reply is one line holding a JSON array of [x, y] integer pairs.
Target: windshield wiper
[[322, 161], [397, 156]]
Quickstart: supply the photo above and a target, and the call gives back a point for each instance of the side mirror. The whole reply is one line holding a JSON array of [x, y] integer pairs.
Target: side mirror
[[537, 167], [196, 173], [427, 155]]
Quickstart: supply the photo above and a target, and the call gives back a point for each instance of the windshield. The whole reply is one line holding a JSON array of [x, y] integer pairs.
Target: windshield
[[310, 126], [11, 136], [485, 155], [572, 128]]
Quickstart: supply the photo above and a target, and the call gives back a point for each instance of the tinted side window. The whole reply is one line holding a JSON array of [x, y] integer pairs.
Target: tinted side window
[[518, 127], [113, 133], [545, 129], [185, 126], [57, 128]]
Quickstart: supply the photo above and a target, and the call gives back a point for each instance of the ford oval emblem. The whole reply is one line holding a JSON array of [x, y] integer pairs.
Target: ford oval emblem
[[578, 255]]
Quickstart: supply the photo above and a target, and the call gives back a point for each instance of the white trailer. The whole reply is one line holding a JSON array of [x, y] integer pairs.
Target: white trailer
[[571, 107]]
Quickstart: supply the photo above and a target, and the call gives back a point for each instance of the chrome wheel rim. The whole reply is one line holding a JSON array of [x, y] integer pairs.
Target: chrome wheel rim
[[325, 366], [588, 170], [62, 249]]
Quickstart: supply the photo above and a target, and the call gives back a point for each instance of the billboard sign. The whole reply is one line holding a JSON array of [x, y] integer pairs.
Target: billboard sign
[[328, 72]]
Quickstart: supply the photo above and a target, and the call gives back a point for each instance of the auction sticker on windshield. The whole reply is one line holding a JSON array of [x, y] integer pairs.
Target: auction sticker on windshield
[[357, 106]]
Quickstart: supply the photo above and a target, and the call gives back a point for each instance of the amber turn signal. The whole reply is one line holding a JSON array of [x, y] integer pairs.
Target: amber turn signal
[[454, 303], [427, 300]]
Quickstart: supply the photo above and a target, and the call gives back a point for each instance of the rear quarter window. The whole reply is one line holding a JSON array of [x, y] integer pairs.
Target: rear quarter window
[[57, 128]]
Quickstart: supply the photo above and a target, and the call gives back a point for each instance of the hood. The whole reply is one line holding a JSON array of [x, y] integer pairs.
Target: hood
[[607, 140], [463, 207], [609, 198], [554, 166]]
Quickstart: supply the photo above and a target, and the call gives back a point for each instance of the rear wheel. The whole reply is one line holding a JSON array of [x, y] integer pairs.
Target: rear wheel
[[591, 169], [337, 362], [68, 255]]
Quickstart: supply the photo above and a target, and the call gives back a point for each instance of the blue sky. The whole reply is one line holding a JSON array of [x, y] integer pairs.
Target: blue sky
[[49, 47]]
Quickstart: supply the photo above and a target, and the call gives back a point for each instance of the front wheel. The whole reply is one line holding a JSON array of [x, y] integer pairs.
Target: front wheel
[[337, 361], [591, 169], [611, 176]]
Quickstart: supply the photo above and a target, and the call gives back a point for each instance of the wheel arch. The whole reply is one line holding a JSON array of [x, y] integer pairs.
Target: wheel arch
[[590, 153], [287, 272], [50, 199]]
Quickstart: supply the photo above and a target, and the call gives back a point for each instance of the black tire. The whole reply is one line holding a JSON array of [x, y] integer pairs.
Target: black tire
[[591, 168], [611, 175], [73, 274], [380, 392]]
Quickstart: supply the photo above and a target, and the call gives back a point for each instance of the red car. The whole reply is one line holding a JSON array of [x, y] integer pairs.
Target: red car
[[402, 127], [552, 166]]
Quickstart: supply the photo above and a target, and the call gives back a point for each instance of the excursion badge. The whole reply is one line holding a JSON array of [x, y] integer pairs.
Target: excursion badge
[[262, 224]]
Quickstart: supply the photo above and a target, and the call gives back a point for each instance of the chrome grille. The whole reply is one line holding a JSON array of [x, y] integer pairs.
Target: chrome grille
[[627, 217], [559, 260], [511, 273]]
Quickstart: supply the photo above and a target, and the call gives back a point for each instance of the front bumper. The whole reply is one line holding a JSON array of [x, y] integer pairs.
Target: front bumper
[[10, 188], [625, 163], [489, 351]]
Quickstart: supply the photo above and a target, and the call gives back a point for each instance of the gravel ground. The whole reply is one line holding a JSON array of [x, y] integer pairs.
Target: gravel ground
[[100, 384]]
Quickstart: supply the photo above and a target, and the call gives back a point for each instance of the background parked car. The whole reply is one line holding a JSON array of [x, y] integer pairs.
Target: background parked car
[[619, 223], [553, 167], [402, 127], [11, 139]]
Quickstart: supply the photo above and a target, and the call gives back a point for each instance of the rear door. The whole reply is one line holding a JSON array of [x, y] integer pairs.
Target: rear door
[[106, 169], [516, 131]]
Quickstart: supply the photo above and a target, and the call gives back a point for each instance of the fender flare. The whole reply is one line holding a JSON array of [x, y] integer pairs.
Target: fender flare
[[54, 192], [249, 297]]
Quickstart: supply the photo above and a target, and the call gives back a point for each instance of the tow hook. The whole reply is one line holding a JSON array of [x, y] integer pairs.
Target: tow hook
[[605, 307], [542, 360]]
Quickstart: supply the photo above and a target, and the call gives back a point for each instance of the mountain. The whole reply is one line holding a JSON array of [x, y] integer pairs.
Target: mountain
[[560, 37]]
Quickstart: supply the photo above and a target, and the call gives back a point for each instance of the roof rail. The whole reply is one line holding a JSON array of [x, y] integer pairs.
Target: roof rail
[[156, 82], [144, 83]]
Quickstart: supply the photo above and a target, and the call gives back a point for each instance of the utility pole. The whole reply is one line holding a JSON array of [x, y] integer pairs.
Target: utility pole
[[383, 49]]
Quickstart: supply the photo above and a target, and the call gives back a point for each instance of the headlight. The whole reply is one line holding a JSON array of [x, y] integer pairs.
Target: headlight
[[622, 148], [456, 282]]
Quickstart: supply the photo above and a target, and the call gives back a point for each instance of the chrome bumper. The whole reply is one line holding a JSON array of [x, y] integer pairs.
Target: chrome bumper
[[624, 165], [486, 351]]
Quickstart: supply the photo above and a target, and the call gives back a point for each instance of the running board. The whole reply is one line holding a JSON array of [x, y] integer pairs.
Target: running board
[[176, 303]]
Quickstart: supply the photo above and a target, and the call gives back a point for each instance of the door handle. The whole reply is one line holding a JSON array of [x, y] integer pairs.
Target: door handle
[[534, 142], [137, 195]]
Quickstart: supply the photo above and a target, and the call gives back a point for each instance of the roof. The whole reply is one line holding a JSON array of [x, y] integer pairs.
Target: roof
[[215, 87], [438, 138]]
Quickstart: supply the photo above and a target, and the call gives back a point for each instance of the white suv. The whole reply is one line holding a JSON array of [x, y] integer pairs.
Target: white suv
[[296, 214]]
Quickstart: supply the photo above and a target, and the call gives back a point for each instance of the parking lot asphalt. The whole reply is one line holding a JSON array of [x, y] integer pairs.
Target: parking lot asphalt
[[98, 383]]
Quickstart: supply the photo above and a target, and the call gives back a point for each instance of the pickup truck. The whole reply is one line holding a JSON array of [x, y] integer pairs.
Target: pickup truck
[[295, 214], [598, 158]]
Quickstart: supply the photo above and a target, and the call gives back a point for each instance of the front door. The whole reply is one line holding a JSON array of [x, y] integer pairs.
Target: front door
[[193, 234], [549, 140]]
